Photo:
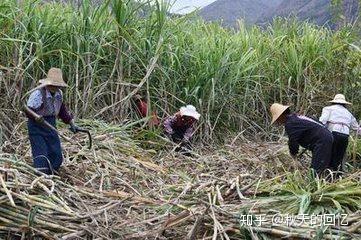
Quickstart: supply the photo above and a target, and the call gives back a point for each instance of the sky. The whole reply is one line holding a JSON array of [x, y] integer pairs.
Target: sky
[[186, 6]]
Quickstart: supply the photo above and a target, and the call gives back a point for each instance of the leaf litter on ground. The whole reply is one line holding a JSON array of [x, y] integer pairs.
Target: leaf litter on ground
[[122, 189]]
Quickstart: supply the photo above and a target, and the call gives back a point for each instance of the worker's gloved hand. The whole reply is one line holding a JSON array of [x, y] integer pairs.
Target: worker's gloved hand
[[74, 128]]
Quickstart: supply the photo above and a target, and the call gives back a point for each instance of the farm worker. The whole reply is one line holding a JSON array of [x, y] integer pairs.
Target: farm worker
[[180, 127], [142, 109], [306, 132], [339, 121], [46, 100]]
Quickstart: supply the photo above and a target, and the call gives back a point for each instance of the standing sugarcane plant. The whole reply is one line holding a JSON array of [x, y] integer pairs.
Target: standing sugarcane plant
[[230, 75]]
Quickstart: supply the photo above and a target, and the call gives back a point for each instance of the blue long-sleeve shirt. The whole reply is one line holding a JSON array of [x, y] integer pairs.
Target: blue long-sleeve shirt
[[302, 131]]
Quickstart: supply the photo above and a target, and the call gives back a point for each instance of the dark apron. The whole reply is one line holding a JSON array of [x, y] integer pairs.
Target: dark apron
[[45, 146]]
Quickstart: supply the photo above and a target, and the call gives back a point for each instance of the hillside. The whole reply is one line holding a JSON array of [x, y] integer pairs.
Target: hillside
[[262, 12], [229, 11], [316, 11]]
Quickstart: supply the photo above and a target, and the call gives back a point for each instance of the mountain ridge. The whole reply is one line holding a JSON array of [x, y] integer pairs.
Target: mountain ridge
[[229, 11], [262, 12]]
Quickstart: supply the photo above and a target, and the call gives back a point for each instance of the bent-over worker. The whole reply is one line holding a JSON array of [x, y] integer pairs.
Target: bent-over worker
[[46, 100], [306, 132], [180, 127], [339, 121]]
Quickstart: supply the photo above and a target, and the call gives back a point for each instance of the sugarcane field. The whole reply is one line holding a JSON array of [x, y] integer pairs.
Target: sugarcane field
[[157, 119]]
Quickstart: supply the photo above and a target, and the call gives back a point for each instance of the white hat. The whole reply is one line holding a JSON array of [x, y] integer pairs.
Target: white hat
[[340, 98], [277, 110], [190, 111]]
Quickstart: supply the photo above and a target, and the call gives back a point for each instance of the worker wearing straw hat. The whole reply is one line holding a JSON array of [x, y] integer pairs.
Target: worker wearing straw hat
[[339, 121], [306, 132], [180, 127], [46, 101]]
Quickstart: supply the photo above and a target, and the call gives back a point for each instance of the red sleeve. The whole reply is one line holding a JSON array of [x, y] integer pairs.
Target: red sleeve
[[142, 108]]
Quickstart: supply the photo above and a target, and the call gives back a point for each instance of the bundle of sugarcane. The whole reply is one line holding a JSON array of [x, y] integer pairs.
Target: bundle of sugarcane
[[33, 204]]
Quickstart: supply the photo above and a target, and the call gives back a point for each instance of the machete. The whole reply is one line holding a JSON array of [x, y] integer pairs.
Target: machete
[[89, 136]]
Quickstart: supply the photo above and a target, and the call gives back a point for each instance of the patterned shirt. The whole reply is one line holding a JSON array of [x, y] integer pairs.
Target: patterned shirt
[[171, 126], [46, 104]]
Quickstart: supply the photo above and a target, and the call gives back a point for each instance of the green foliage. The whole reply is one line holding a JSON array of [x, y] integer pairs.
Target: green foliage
[[299, 194], [354, 151], [231, 76]]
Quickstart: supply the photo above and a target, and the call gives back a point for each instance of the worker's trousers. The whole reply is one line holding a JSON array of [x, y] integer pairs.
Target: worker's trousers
[[45, 146], [322, 150], [339, 147]]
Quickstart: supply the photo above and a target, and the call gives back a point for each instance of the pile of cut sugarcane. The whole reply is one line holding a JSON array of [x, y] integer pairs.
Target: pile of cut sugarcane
[[119, 190]]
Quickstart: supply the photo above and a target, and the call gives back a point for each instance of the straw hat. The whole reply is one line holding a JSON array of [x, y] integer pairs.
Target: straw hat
[[340, 98], [54, 78], [277, 110], [190, 111]]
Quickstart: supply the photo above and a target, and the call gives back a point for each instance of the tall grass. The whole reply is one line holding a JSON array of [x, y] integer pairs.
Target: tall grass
[[122, 47]]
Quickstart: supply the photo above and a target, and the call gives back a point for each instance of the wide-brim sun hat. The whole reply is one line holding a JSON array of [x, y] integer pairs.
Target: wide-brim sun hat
[[277, 110], [190, 111], [53, 78], [340, 98]]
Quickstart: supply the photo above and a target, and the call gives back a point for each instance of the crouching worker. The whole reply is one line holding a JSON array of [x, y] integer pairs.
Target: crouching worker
[[306, 132], [339, 121], [180, 127], [46, 101]]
